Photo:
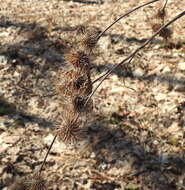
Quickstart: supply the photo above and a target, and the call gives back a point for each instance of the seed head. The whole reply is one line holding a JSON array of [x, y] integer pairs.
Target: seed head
[[78, 59], [73, 82], [161, 13], [89, 41], [72, 131], [71, 135], [166, 33]]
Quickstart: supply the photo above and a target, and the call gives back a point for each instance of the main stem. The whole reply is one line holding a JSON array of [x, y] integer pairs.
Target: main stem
[[44, 161]]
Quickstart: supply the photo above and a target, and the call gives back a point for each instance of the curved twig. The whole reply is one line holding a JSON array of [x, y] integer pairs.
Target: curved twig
[[124, 15], [131, 56]]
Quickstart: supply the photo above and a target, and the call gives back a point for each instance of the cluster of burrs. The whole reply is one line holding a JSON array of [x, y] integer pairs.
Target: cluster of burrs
[[74, 86]]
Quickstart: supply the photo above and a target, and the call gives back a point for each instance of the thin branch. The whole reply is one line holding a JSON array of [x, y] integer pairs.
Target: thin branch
[[44, 161], [163, 10], [165, 5], [124, 15], [131, 56]]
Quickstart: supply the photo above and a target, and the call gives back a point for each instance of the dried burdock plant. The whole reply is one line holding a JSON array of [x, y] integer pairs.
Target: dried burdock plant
[[74, 84]]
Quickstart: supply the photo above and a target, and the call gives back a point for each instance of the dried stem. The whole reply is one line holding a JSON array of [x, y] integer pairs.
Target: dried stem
[[165, 5], [44, 161], [124, 15], [131, 56], [163, 10]]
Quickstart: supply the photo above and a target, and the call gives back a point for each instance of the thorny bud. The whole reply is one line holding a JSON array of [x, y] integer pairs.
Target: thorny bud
[[161, 14], [73, 82], [72, 131], [89, 41], [166, 33], [78, 59]]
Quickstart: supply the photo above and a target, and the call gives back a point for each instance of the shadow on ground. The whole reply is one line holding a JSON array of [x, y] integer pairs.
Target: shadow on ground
[[10, 109], [145, 165]]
